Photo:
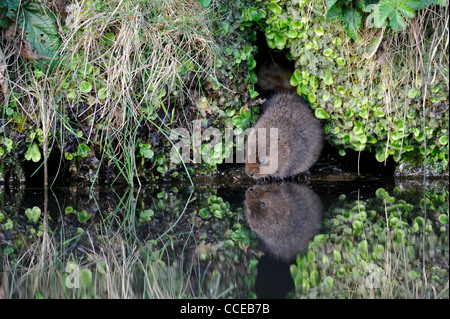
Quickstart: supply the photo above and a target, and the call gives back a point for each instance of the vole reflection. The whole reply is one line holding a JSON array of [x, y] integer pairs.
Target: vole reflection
[[286, 217]]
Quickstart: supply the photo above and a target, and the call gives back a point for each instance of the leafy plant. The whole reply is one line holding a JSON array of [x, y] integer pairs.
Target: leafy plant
[[349, 12], [39, 30], [33, 214], [351, 100], [358, 253], [383, 13], [82, 151]]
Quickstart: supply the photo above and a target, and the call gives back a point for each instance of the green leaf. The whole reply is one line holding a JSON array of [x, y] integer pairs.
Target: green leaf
[[352, 20], [328, 78], [85, 278], [33, 214], [83, 216], [442, 3], [251, 62], [101, 94], [39, 28], [33, 153], [443, 140], [205, 3], [321, 114], [384, 10], [321, 238], [396, 21], [419, 4], [204, 212], [329, 282], [380, 154], [293, 269], [68, 156], [327, 52], [412, 93], [319, 31], [330, 3], [146, 215], [146, 151], [83, 150], [85, 87], [443, 218], [275, 8], [335, 12], [71, 94], [8, 143], [403, 8], [295, 78]]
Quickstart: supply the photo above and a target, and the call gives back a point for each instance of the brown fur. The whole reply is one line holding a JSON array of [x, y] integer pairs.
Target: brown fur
[[286, 217], [299, 136]]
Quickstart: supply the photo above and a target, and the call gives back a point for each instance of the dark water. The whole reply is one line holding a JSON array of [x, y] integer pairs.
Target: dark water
[[228, 237]]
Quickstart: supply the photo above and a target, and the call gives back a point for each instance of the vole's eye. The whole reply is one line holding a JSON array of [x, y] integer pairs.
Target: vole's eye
[[262, 203], [262, 161]]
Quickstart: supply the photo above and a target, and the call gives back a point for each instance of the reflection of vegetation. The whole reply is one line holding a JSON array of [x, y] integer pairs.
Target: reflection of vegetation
[[134, 245], [384, 247]]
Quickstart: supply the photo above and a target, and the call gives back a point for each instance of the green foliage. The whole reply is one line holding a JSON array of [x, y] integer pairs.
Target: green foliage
[[83, 216], [33, 153], [217, 207], [82, 151], [354, 95], [39, 29], [366, 240], [161, 221], [33, 214], [348, 12], [383, 13]]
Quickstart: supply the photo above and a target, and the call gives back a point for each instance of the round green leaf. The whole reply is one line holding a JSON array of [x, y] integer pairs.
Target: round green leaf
[[85, 87], [327, 52], [321, 114], [443, 218], [204, 212], [328, 78], [340, 61], [319, 31], [83, 150], [380, 154], [83, 216]]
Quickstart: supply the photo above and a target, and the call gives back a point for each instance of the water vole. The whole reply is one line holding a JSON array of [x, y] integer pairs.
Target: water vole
[[299, 138], [286, 217]]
